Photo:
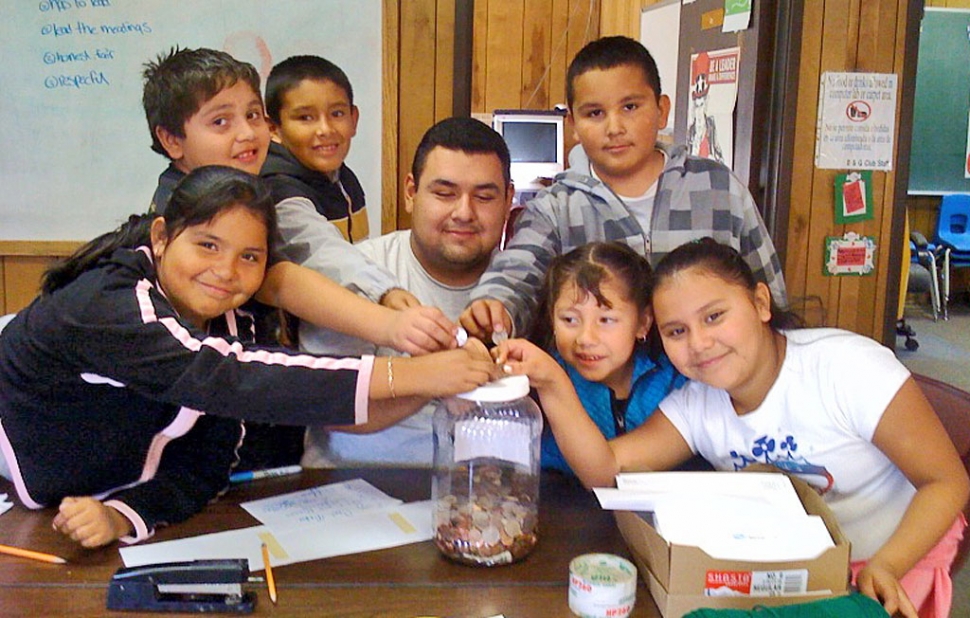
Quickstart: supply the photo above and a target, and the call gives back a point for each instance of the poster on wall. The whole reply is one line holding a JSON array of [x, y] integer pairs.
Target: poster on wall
[[737, 15], [849, 254], [856, 124], [853, 197], [713, 97]]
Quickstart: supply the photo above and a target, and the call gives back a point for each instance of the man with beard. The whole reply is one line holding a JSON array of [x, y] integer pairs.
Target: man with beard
[[458, 194]]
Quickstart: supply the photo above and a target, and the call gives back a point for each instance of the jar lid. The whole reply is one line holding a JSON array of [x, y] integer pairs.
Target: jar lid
[[503, 389]]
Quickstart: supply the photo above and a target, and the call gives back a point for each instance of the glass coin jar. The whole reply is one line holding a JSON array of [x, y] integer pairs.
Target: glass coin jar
[[486, 473]]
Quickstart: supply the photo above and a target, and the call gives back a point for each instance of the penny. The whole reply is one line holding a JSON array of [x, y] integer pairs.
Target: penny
[[489, 519]]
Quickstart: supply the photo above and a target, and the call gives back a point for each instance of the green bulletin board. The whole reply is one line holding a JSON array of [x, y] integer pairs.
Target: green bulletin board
[[942, 103]]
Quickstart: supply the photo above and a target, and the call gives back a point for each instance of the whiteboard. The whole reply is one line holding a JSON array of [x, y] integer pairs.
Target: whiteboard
[[938, 157], [76, 157]]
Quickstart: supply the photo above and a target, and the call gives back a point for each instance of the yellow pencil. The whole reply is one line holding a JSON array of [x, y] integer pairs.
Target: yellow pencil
[[270, 582], [34, 555]]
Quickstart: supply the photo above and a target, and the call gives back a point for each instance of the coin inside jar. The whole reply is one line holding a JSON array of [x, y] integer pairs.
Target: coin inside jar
[[493, 523], [485, 487]]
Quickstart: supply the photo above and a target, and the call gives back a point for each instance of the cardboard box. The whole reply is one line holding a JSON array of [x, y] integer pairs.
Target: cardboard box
[[677, 575]]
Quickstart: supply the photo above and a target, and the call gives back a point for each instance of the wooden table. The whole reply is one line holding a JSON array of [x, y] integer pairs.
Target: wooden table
[[409, 581]]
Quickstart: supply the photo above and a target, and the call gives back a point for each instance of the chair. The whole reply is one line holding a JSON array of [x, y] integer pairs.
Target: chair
[[924, 254], [952, 405], [953, 238]]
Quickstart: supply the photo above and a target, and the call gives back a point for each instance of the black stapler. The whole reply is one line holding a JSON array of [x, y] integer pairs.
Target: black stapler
[[199, 586]]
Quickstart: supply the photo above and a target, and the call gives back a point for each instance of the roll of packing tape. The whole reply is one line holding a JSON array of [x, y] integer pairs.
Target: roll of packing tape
[[602, 586]]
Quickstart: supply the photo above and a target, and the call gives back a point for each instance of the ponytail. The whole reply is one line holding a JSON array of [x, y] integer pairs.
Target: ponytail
[[133, 233], [197, 199]]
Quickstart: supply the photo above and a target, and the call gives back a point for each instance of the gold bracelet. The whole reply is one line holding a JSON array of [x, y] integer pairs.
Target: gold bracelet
[[390, 377]]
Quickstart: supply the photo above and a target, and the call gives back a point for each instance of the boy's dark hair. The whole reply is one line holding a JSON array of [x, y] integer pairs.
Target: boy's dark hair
[[198, 198], [179, 82], [607, 53], [466, 135], [288, 74], [724, 262]]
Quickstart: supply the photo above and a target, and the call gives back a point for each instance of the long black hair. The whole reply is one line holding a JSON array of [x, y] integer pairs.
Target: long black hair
[[197, 199]]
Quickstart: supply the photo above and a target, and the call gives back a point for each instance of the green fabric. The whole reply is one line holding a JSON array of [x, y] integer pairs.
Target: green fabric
[[851, 606]]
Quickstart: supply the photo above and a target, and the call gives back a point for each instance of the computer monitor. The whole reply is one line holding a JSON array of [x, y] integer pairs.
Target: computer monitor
[[535, 141]]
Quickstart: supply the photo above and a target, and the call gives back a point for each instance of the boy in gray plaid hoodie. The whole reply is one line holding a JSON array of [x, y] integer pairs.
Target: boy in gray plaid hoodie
[[623, 186]]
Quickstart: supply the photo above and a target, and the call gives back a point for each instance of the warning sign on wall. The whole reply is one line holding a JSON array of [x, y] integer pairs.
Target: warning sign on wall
[[857, 113]]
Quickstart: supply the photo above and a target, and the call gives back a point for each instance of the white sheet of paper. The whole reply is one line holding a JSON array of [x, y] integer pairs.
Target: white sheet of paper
[[765, 488], [726, 504], [319, 504], [374, 529], [4, 504], [613, 499], [745, 536], [734, 516]]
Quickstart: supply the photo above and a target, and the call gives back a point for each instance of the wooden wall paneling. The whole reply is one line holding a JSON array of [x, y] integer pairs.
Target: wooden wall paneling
[[869, 300], [583, 26], [503, 80], [835, 56], [797, 264], [923, 211], [390, 168], [522, 50], [633, 16], [22, 264], [416, 98], [838, 52], [480, 56], [871, 46], [622, 17], [38, 248], [21, 281], [537, 37], [613, 18], [444, 66], [852, 11], [858, 51], [559, 57]]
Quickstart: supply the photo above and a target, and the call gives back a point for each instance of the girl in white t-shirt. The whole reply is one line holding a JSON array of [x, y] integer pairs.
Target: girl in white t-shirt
[[833, 407]]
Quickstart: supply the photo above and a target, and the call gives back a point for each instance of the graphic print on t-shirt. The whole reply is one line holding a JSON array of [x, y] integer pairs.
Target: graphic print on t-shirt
[[763, 451]]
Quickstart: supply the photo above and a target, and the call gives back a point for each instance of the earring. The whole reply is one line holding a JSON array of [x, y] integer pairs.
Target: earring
[[642, 338]]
